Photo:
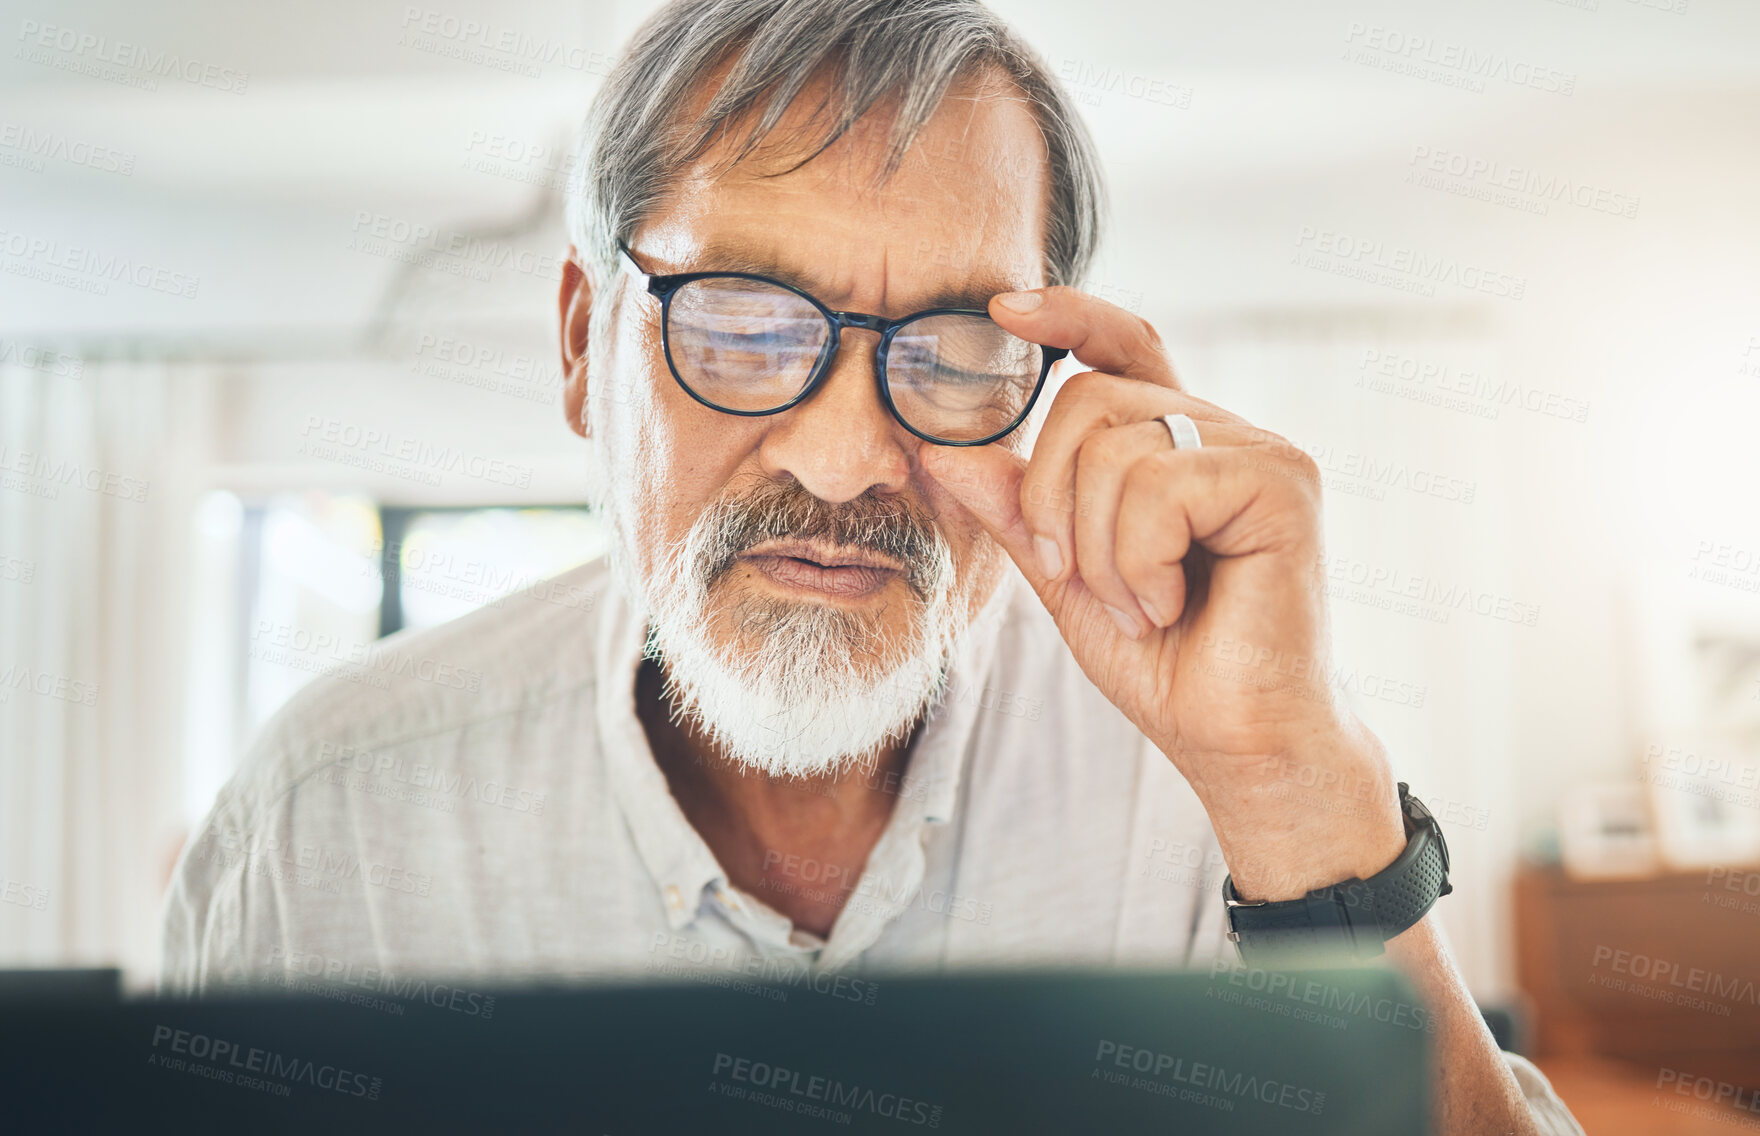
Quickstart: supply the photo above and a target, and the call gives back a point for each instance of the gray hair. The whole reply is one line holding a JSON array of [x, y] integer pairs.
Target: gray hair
[[905, 54]]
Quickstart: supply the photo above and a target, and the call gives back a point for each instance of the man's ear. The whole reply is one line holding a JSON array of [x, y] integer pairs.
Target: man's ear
[[575, 303]]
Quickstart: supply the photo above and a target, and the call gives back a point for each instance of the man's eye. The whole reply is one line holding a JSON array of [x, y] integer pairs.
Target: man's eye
[[924, 365], [745, 340], [756, 335], [764, 348], [954, 376]]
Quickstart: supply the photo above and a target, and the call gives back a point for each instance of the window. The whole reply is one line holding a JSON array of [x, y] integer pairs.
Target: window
[[318, 578]]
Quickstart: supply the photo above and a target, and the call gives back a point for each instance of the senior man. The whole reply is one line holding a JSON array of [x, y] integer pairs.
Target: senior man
[[868, 681]]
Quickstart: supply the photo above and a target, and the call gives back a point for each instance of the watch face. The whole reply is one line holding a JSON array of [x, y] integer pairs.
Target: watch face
[[1417, 818]]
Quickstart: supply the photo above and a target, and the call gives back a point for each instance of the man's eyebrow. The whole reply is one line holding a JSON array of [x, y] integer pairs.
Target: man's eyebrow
[[718, 257], [729, 257]]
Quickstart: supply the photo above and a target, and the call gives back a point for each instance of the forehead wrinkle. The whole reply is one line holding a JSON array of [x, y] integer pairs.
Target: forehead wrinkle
[[732, 254], [885, 277]]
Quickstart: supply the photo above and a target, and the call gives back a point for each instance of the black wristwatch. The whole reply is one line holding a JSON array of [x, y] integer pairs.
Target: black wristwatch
[[1352, 920]]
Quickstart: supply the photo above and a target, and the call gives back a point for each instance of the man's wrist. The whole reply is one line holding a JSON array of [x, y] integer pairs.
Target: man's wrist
[[1299, 824], [1286, 871]]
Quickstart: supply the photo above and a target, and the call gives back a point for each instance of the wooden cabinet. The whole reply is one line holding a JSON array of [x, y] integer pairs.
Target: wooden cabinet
[[1659, 973]]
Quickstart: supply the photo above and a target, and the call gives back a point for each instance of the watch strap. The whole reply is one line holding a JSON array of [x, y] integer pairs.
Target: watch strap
[[1353, 919]]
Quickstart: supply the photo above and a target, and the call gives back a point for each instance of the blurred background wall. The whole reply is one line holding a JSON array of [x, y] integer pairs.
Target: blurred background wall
[[278, 373]]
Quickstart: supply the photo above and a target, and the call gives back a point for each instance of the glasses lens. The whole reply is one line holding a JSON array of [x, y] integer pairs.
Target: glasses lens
[[743, 344], [961, 378]]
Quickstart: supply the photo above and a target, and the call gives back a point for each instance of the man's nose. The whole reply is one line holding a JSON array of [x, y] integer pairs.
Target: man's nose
[[841, 441]]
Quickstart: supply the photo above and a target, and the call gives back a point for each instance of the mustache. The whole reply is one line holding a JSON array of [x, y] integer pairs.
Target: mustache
[[889, 526]]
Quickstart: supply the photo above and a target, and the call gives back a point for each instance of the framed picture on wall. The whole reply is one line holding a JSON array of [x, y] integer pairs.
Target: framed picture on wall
[[1605, 833], [1704, 793]]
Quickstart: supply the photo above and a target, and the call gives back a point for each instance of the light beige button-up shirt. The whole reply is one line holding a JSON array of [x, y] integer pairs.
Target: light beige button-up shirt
[[477, 804]]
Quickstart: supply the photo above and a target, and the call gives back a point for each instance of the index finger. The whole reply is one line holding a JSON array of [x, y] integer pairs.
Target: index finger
[[1103, 336]]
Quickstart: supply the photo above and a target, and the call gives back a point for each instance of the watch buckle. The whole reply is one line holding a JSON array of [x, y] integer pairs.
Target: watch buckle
[[1231, 898]]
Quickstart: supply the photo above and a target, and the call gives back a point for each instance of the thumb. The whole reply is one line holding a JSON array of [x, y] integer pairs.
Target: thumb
[[986, 481]]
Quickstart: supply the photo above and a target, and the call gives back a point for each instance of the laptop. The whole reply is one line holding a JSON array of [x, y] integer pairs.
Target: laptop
[[1115, 1052]]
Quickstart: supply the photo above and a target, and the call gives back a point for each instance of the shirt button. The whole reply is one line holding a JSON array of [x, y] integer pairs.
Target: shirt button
[[674, 897]]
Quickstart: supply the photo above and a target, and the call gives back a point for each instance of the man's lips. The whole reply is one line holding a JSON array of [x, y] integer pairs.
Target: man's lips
[[848, 573]]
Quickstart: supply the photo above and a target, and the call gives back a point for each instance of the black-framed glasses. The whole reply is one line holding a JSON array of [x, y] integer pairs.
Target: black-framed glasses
[[749, 345]]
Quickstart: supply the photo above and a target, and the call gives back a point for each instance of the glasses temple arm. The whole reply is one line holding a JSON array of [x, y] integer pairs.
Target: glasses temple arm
[[630, 268]]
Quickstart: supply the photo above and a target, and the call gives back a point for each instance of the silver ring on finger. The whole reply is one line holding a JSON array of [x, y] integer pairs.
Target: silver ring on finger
[[1184, 431]]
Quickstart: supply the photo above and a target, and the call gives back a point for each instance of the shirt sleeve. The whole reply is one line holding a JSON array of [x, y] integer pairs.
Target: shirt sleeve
[[200, 924], [203, 933], [1549, 1112]]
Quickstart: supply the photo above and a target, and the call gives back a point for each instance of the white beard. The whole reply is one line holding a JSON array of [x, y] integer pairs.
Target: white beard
[[819, 690]]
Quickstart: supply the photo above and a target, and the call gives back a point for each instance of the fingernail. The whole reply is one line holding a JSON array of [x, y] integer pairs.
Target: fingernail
[[1125, 623], [1020, 301], [1050, 556], [1149, 610]]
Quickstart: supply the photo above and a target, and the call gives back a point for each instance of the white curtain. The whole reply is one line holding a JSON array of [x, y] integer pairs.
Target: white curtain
[[97, 460]]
